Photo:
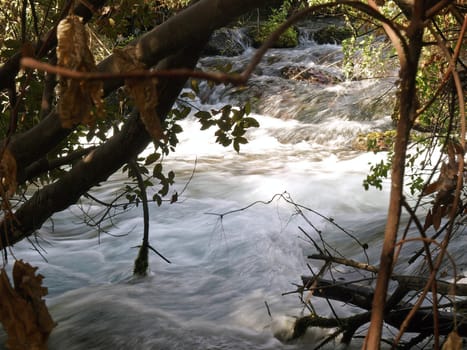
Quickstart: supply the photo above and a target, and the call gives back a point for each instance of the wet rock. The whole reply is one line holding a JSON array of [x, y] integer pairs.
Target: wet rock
[[376, 141], [311, 75], [226, 42], [332, 34], [288, 39]]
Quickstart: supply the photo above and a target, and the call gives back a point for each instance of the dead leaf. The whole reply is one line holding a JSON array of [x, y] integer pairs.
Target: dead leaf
[[437, 216], [23, 312], [446, 181], [428, 220], [8, 171], [77, 98], [454, 342], [142, 91], [431, 188], [444, 187]]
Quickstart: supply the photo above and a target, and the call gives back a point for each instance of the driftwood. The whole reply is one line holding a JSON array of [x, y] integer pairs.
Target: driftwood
[[396, 308]]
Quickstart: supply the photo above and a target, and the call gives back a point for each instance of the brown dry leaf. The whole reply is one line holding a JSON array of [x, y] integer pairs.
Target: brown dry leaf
[[437, 216], [23, 312], [454, 342], [77, 98], [142, 91], [8, 173], [431, 188], [446, 181], [444, 187], [428, 220]]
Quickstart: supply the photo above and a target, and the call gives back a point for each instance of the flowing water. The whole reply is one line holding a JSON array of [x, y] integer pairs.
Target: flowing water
[[224, 269]]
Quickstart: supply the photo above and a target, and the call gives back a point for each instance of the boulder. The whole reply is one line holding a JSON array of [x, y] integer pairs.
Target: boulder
[[226, 42], [332, 34], [310, 75]]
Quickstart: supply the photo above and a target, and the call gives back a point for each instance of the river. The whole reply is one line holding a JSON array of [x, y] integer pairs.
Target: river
[[213, 294]]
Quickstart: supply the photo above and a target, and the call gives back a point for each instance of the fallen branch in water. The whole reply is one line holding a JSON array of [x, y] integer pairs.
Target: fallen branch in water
[[396, 311]]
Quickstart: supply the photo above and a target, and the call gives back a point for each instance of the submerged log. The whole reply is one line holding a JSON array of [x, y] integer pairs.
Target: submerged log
[[397, 309]]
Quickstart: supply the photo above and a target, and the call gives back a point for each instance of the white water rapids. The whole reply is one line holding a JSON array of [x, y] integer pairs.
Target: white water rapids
[[212, 295]]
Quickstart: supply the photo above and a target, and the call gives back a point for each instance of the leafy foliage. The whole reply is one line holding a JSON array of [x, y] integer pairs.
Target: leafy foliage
[[232, 124], [289, 38], [378, 172], [366, 57], [122, 20]]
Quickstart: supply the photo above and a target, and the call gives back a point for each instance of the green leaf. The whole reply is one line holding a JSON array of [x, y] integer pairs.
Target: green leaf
[[237, 114], [238, 131], [195, 86], [203, 115], [226, 111], [222, 138], [247, 108], [157, 199], [236, 146], [177, 128], [171, 176], [250, 123], [206, 124], [189, 95], [173, 141], [223, 125], [164, 190], [184, 112], [241, 140], [157, 172]]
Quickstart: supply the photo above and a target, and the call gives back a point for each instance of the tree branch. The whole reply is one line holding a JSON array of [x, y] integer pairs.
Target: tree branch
[[189, 26], [43, 165], [98, 165], [361, 296], [201, 18]]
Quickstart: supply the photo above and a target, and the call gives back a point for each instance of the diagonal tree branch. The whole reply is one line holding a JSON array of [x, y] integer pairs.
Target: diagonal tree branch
[[189, 26], [98, 165], [201, 18]]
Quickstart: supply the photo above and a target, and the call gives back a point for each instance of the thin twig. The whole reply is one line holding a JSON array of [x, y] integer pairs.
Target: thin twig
[[160, 255], [346, 262]]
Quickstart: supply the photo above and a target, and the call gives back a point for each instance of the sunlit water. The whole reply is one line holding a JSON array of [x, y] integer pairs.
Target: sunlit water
[[213, 294]]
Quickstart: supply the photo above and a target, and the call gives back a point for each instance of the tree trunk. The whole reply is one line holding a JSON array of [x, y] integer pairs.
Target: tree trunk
[[174, 44]]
